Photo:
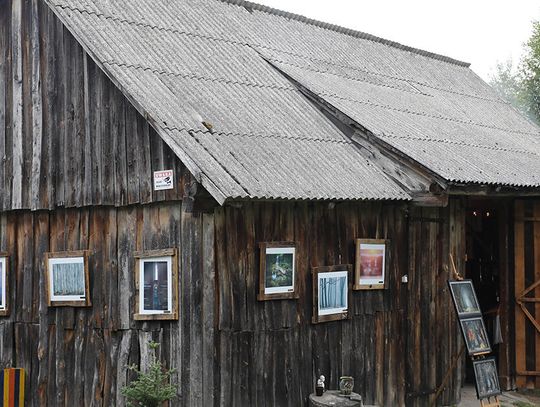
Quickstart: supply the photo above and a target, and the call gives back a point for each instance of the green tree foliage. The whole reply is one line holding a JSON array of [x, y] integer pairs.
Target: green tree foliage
[[150, 388], [522, 87]]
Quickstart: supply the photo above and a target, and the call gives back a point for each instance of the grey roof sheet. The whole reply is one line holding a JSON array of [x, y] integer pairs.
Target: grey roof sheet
[[200, 60], [185, 62]]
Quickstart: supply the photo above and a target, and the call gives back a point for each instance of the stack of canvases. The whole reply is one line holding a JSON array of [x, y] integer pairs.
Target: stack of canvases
[[476, 338], [332, 285]]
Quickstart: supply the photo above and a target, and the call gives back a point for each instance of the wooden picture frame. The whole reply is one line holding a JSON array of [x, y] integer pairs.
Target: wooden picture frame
[[475, 336], [372, 264], [4, 284], [464, 298], [163, 266], [328, 279], [274, 285], [486, 378], [67, 284]]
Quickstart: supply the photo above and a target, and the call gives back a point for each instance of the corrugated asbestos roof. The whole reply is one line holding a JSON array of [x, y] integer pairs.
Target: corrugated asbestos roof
[[188, 61]]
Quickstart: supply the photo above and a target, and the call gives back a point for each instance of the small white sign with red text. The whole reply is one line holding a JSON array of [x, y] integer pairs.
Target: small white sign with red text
[[163, 180]]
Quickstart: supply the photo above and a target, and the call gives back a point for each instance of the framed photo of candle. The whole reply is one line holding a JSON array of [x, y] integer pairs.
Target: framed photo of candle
[[156, 285], [371, 264]]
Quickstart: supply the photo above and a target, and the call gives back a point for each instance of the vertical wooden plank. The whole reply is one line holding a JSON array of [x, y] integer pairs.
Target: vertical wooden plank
[[107, 139], [4, 39], [49, 108], [97, 135], [145, 161], [87, 189], [208, 307], [127, 226], [536, 246], [191, 262], [132, 140], [42, 232], [17, 104], [35, 177], [59, 136], [519, 287], [120, 189]]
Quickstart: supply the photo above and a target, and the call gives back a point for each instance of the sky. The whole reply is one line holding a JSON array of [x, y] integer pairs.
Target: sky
[[481, 32]]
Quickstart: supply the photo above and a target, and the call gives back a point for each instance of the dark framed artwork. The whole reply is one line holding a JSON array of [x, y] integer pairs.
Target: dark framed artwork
[[4, 285], [156, 285], [464, 297], [371, 268], [67, 279], [331, 293], [475, 335], [487, 378], [277, 272]]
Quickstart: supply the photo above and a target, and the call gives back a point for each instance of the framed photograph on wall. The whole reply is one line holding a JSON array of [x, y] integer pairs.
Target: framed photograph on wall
[[475, 335], [371, 264], [277, 273], [464, 297], [67, 279], [4, 286], [331, 293], [156, 283], [487, 378]]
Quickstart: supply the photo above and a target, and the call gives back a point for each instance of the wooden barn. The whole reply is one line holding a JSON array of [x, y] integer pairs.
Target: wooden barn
[[159, 157]]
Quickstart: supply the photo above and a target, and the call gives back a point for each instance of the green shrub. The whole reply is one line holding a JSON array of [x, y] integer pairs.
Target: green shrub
[[150, 388]]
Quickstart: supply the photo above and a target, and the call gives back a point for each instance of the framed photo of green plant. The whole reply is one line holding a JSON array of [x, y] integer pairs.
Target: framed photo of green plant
[[277, 272], [156, 285]]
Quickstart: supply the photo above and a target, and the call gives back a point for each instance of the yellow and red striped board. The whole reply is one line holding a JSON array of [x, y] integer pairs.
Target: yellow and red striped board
[[13, 387]]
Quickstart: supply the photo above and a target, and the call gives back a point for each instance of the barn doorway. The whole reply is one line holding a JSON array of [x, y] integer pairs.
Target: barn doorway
[[486, 258]]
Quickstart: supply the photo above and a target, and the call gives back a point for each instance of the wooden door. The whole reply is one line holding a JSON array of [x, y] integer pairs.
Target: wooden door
[[527, 292]]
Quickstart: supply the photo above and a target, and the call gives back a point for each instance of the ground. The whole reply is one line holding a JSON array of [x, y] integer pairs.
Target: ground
[[508, 399]]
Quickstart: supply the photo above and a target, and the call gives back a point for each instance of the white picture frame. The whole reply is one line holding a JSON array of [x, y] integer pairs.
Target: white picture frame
[[4, 308], [67, 279], [156, 279]]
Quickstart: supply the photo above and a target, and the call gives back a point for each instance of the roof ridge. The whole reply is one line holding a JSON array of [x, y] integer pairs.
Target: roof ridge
[[344, 30]]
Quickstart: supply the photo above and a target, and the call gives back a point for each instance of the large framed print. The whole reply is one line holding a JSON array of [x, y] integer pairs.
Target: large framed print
[[67, 279], [277, 272], [464, 298], [487, 378], [4, 285], [475, 335], [371, 264], [156, 283], [331, 293]]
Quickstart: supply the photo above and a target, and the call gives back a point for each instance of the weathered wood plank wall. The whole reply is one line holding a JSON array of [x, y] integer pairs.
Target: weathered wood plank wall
[[399, 342], [78, 357], [68, 137], [527, 273]]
